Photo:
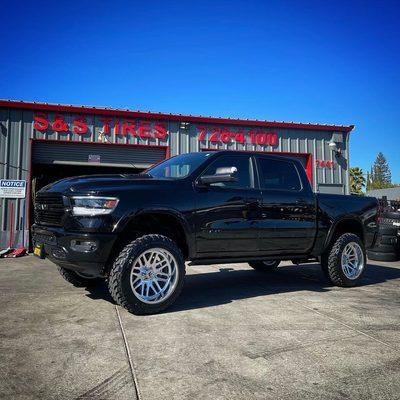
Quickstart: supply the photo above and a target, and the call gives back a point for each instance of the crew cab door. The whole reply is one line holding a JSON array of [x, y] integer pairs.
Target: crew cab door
[[227, 213], [288, 207]]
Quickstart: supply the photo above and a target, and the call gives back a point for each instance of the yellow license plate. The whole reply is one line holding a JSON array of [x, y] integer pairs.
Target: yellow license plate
[[37, 251]]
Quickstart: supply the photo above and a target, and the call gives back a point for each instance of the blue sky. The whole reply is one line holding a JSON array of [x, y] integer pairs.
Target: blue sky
[[309, 61]]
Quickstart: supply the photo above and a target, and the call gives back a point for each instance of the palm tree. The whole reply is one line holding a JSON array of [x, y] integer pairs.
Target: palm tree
[[357, 180]]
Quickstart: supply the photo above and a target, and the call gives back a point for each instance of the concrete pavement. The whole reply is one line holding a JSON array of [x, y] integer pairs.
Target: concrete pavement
[[234, 333]]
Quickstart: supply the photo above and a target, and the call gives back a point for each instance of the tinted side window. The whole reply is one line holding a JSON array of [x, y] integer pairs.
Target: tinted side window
[[244, 172], [278, 175]]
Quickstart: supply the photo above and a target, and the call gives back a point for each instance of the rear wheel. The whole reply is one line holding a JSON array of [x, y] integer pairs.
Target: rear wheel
[[268, 265], [148, 275], [345, 263]]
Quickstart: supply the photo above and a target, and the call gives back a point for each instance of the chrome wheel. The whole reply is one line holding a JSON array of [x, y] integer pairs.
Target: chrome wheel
[[154, 275], [352, 260]]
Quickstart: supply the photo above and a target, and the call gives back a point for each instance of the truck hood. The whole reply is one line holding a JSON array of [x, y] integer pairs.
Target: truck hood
[[99, 183]]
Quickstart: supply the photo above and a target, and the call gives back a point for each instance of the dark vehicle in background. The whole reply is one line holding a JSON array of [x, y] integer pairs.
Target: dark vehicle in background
[[387, 245], [137, 231]]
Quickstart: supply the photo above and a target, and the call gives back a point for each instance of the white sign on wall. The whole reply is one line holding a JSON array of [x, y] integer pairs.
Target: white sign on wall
[[12, 188]]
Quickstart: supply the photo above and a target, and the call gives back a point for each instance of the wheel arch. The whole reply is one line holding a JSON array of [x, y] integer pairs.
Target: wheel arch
[[167, 222], [350, 224]]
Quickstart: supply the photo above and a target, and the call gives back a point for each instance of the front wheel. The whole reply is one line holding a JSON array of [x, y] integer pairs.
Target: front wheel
[[148, 275], [345, 263], [269, 265]]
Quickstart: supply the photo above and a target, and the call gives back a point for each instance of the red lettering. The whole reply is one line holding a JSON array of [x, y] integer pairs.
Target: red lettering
[[240, 137], [325, 164], [128, 126], [215, 135], [59, 125], [80, 127], [261, 138], [144, 130], [202, 134], [160, 131], [272, 138], [226, 135], [40, 122], [106, 125]]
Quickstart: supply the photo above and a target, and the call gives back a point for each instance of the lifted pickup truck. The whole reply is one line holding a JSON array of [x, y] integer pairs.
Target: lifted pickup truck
[[137, 231]]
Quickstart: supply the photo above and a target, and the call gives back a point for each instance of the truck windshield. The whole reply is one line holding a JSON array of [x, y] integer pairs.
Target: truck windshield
[[178, 167]]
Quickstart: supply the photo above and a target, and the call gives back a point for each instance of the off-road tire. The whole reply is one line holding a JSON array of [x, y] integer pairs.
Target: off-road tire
[[75, 279], [119, 278], [331, 261], [260, 266]]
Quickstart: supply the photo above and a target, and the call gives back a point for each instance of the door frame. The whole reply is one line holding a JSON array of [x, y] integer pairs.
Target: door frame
[[307, 156]]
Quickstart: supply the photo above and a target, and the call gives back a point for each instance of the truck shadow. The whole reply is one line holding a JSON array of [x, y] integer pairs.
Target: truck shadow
[[225, 284]]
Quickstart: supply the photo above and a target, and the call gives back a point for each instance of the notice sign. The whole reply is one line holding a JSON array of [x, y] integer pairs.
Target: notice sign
[[12, 188]]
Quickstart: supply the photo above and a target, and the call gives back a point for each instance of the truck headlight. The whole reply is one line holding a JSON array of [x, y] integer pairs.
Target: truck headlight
[[93, 205]]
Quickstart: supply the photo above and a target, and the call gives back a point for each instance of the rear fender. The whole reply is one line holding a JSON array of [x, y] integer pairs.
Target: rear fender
[[348, 224]]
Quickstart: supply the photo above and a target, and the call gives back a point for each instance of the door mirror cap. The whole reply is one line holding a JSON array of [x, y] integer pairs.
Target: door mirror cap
[[223, 174]]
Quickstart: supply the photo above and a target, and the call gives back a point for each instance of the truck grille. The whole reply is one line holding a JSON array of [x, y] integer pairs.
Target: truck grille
[[49, 209], [389, 223]]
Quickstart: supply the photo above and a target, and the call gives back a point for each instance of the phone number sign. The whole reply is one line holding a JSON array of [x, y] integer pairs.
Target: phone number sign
[[12, 189], [242, 136]]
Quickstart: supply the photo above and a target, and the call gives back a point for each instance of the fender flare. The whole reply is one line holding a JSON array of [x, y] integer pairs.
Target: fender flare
[[336, 223], [188, 232]]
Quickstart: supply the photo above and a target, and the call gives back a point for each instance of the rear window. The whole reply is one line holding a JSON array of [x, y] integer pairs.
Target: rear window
[[278, 175]]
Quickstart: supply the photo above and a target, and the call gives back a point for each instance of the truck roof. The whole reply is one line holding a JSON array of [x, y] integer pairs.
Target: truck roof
[[260, 153]]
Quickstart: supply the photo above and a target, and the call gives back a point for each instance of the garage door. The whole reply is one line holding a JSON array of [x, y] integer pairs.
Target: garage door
[[97, 154]]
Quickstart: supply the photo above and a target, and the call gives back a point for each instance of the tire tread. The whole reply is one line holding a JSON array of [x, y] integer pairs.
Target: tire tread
[[126, 256], [330, 262]]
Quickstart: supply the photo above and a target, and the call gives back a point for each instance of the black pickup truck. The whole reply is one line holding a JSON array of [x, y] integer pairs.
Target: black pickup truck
[[137, 231]]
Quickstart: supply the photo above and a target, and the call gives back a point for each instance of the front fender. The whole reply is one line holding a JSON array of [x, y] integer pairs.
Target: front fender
[[177, 215]]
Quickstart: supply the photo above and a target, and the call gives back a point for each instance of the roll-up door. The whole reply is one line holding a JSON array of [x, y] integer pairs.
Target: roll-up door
[[129, 156]]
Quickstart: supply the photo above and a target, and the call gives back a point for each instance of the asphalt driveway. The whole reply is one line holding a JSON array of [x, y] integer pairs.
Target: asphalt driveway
[[233, 334]]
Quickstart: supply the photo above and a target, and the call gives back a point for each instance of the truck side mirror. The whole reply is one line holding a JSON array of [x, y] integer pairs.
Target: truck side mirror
[[223, 174]]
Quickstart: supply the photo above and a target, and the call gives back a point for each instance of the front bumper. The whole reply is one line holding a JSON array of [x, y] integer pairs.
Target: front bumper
[[56, 245]]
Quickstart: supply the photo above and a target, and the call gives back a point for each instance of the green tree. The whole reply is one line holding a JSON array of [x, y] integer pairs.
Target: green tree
[[380, 176], [357, 180]]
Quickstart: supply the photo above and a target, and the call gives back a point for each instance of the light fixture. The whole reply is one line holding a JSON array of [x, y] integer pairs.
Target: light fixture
[[334, 147], [184, 126]]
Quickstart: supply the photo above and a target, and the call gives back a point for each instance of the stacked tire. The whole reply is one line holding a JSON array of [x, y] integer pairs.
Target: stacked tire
[[387, 246]]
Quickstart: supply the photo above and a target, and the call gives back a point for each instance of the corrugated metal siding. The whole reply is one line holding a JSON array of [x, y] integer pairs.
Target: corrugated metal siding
[[139, 157], [16, 128]]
